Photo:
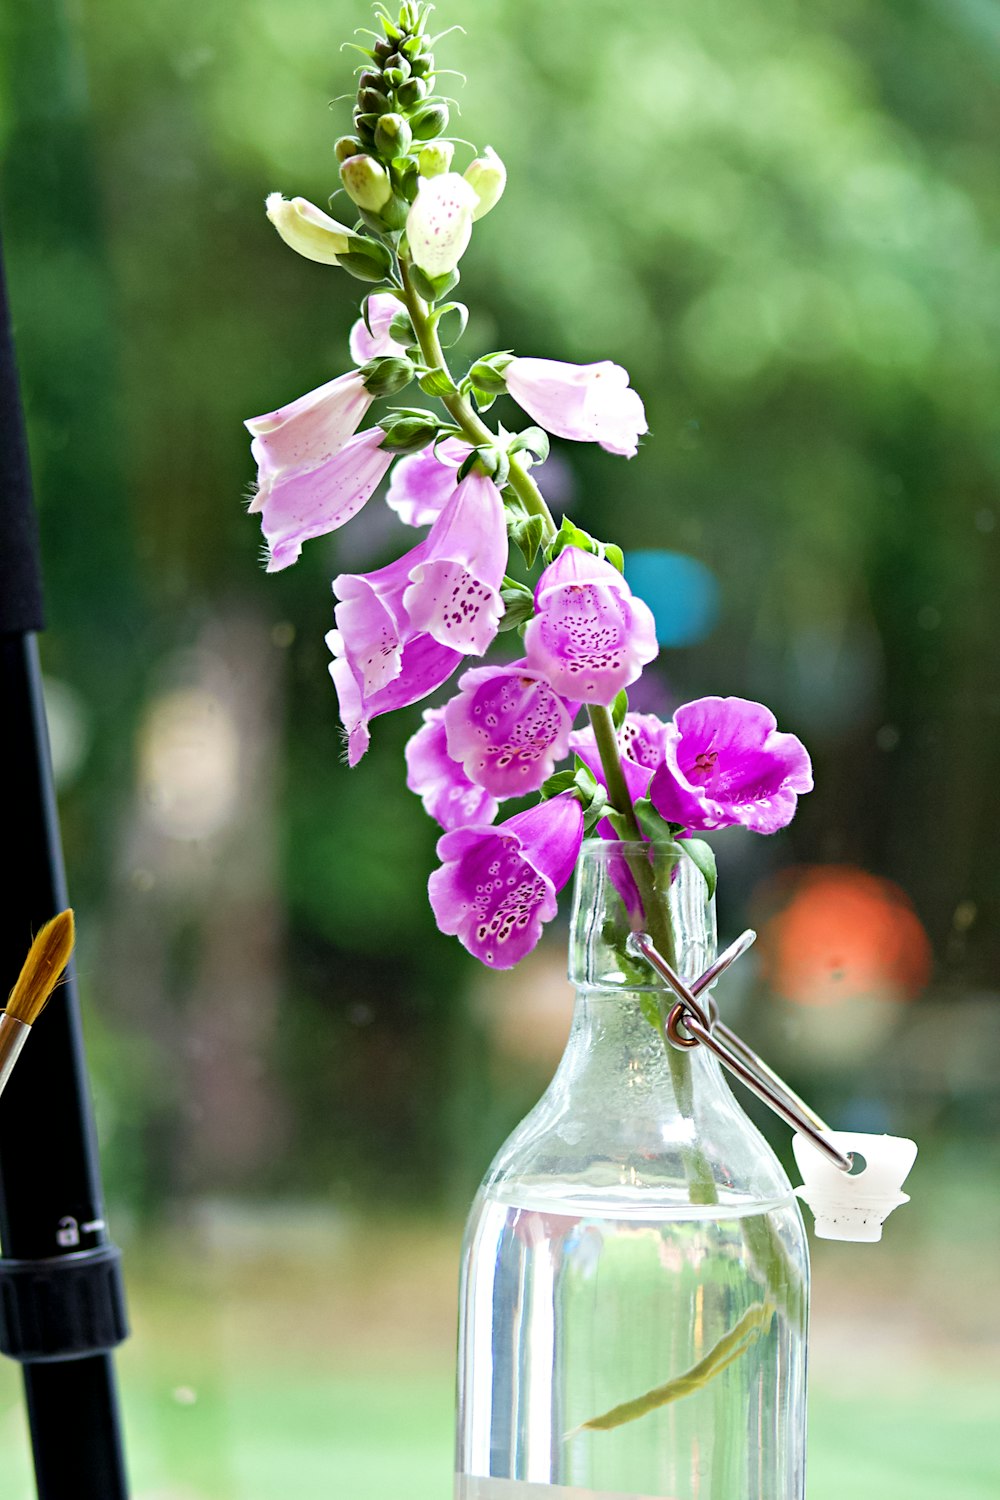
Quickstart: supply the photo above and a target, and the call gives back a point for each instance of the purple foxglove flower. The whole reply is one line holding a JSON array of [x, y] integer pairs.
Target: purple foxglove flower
[[455, 592], [439, 223], [373, 625], [641, 742], [588, 403], [498, 885], [313, 474], [726, 762], [377, 344], [423, 667], [423, 483], [590, 635], [446, 792], [508, 728]]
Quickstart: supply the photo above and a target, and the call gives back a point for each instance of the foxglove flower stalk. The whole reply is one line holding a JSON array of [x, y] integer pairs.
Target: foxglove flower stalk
[[313, 473], [587, 403], [372, 340], [497, 886], [590, 636], [439, 224], [423, 667], [508, 728], [455, 589], [308, 229], [726, 762], [449, 797], [424, 482]]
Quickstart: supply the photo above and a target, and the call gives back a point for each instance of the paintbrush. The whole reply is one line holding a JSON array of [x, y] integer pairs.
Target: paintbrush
[[47, 957]]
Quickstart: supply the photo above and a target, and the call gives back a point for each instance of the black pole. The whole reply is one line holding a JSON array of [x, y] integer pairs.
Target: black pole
[[61, 1296]]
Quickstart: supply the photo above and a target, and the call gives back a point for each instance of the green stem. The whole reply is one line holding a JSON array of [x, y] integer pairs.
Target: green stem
[[657, 912]]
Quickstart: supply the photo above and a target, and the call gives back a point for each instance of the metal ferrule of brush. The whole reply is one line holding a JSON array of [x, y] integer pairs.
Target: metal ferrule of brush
[[13, 1035]]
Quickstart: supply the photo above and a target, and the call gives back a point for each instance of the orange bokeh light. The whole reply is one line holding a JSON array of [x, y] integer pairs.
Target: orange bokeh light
[[839, 933]]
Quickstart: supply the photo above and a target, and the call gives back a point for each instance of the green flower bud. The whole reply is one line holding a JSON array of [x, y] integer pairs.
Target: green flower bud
[[366, 182], [488, 176], [430, 121], [411, 93], [372, 101], [386, 376], [436, 158], [409, 432], [392, 136], [308, 229], [368, 260], [370, 80], [348, 145], [423, 66]]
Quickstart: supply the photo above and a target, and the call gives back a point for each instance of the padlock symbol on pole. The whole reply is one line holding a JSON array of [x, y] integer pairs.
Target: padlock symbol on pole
[[67, 1233]]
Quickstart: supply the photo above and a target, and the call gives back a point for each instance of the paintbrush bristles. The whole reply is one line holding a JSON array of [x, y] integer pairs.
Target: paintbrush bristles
[[48, 956]]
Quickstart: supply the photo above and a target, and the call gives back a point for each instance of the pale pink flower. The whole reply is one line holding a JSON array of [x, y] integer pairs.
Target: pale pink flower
[[378, 343], [590, 635], [313, 473], [455, 592], [422, 483], [588, 403], [423, 666], [439, 223]]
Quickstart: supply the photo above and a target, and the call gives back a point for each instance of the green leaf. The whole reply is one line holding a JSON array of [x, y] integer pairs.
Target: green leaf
[[437, 383], [619, 709], [363, 267], [702, 855], [532, 440], [519, 604], [569, 535], [649, 1005], [487, 373], [420, 283], [400, 329], [656, 829], [483, 399], [614, 556], [451, 320], [527, 533], [562, 781]]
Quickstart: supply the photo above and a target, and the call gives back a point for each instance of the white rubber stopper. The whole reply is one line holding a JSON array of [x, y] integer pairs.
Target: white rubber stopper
[[854, 1206]]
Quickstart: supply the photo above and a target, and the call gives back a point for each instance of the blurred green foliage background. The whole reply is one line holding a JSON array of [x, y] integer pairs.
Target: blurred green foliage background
[[785, 221]]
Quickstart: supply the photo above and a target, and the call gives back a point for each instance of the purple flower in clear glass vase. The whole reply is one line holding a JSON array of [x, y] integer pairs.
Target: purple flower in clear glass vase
[[423, 666], [449, 797], [726, 762], [641, 741], [587, 403], [314, 470], [590, 636], [455, 592], [508, 728], [497, 886], [372, 340], [422, 483]]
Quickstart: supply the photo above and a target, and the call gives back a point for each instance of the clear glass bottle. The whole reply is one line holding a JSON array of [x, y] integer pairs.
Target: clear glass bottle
[[635, 1254]]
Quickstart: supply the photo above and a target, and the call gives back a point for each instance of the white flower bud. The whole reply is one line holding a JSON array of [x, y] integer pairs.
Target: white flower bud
[[435, 158], [307, 228], [487, 175], [439, 224]]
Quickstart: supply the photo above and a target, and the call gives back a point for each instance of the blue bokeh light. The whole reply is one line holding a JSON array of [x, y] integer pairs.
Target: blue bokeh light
[[682, 593]]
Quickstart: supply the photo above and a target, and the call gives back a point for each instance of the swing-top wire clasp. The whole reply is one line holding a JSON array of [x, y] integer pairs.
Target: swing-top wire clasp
[[692, 1021]]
